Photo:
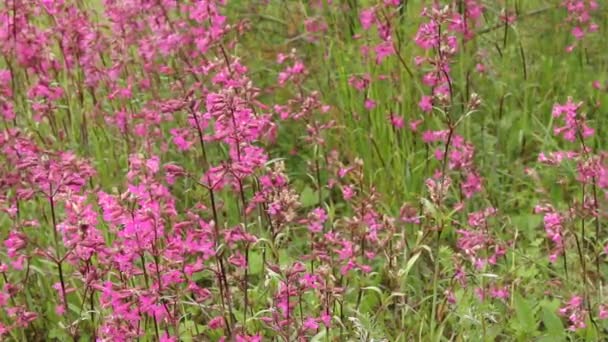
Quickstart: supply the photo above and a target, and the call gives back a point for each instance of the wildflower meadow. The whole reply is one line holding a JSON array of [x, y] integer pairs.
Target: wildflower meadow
[[303, 170]]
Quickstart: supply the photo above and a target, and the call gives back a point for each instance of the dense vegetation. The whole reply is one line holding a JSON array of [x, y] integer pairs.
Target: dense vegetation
[[323, 170]]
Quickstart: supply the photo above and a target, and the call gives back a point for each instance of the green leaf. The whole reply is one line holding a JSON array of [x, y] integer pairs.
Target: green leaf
[[59, 334], [85, 337], [373, 288], [525, 314], [408, 266], [309, 197], [492, 332], [319, 337], [188, 328], [590, 332], [552, 322], [256, 264], [429, 207], [547, 339]]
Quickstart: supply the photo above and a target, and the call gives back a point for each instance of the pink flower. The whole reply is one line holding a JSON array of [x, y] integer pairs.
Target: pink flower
[[316, 219], [60, 310], [216, 323], [238, 260], [326, 319], [593, 27], [578, 33], [247, 338], [500, 292], [384, 50], [449, 294], [313, 26], [409, 214], [574, 122], [415, 124], [397, 121], [603, 312], [167, 338], [574, 310], [471, 185], [369, 104], [579, 14], [311, 324], [508, 17], [367, 18], [426, 104], [360, 82], [427, 35], [348, 192]]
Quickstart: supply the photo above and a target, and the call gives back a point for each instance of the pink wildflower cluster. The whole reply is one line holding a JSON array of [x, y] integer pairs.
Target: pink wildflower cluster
[[553, 222], [591, 171], [575, 125], [561, 226], [479, 239], [377, 16], [479, 244], [459, 158], [579, 15], [439, 38], [576, 313]]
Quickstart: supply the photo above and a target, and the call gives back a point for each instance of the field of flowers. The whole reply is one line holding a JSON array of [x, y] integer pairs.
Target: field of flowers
[[303, 170]]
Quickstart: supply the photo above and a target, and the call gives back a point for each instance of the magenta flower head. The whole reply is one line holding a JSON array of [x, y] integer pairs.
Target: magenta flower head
[[575, 124]]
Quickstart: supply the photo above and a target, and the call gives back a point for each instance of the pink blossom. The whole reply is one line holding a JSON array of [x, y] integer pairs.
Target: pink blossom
[[384, 50], [370, 104], [216, 323], [397, 121], [426, 104], [367, 17], [575, 312], [316, 220], [311, 324], [603, 312]]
